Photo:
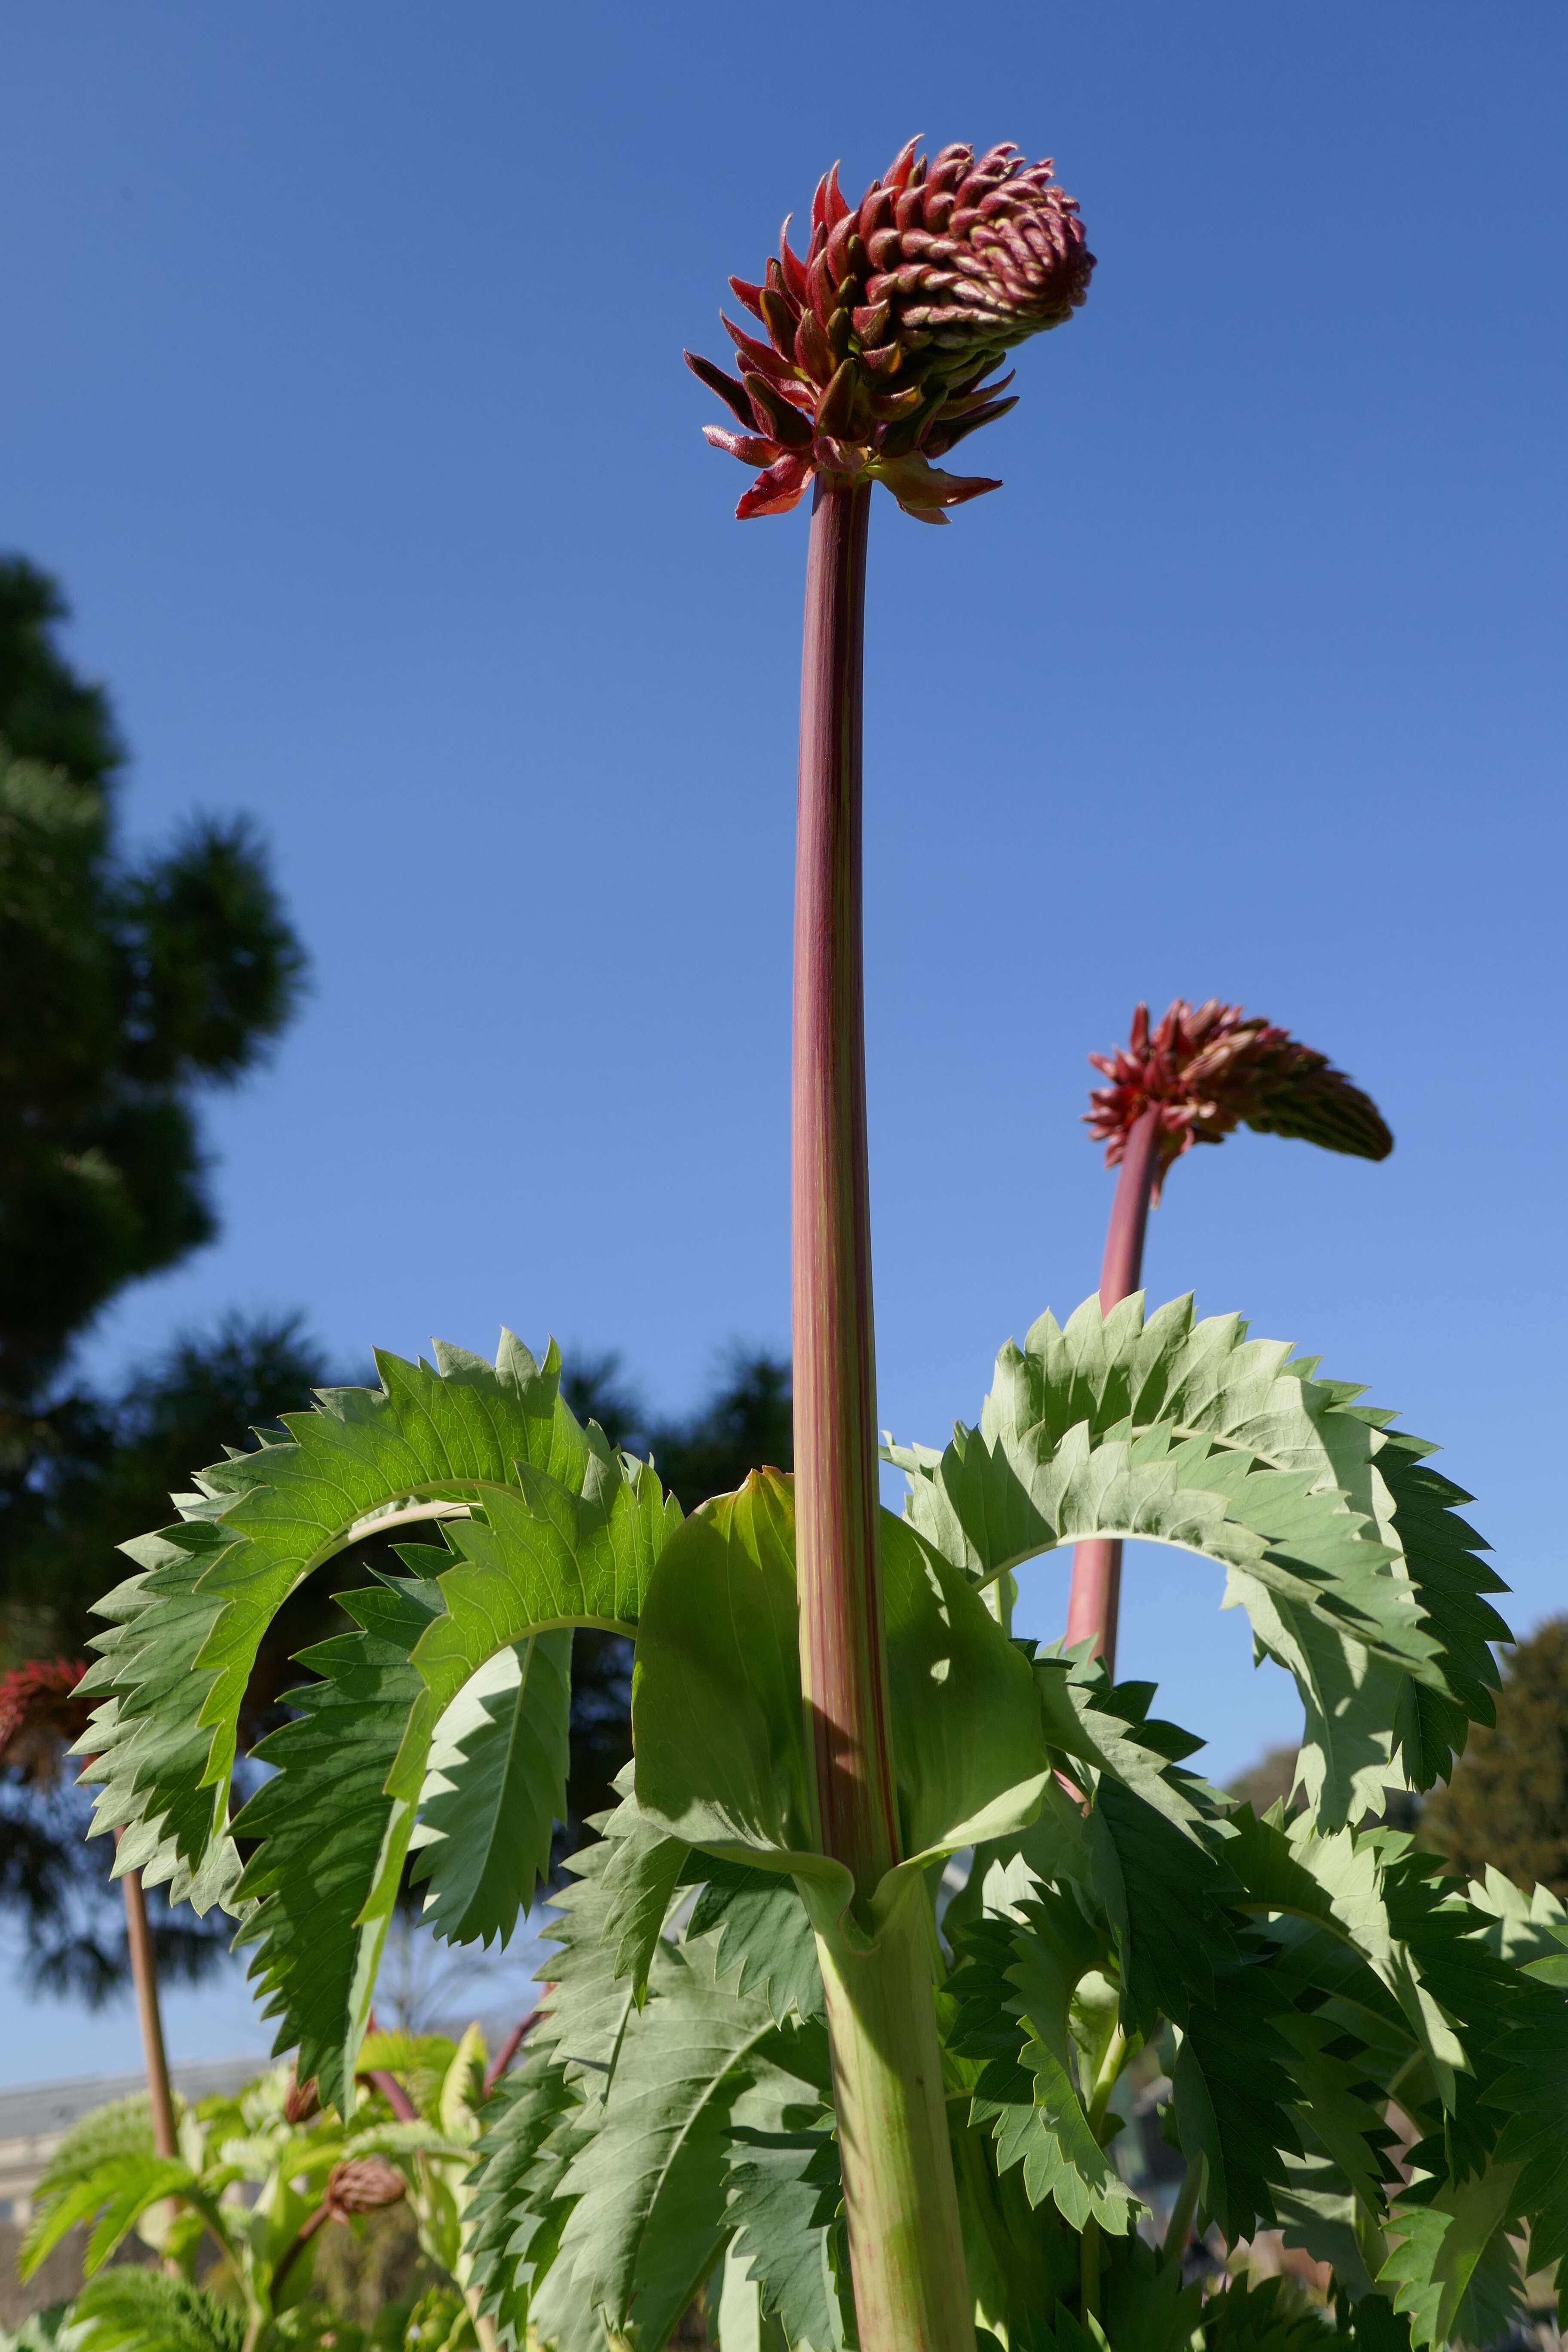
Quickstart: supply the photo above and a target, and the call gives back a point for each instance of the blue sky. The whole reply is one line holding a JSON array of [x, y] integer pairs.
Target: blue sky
[[343, 393]]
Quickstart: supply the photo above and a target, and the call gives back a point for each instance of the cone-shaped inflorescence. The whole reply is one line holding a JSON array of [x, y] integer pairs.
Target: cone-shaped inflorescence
[[879, 339], [1208, 1068]]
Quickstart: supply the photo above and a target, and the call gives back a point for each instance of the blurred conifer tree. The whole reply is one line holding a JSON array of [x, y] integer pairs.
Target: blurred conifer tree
[[124, 989]]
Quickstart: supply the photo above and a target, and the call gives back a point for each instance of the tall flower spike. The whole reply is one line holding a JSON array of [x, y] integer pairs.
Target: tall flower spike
[[1209, 1068], [879, 339]]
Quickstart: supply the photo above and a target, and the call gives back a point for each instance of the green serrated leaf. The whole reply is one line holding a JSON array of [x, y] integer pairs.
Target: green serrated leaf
[[1359, 1576], [131, 2310], [1343, 1882], [715, 1702], [639, 1881], [1231, 2095], [495, 1786], [1329, 2100], [512, 2189], [325, 1874], [784, 2198], [650, 2221], [764, 1928], [114, 2197], [1013, 1991], [442, 1443], [1260, 2316], [1438, 2247], [1162, 1893]]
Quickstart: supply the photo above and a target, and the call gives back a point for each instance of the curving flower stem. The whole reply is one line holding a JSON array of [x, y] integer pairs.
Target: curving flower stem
[[1095, 1599], [906, 2252]]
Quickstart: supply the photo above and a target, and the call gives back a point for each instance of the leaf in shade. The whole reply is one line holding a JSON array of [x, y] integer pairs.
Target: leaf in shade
[[324, 1877], [784, 2200], [639, 1879], [763, 1927], [649, 2222]]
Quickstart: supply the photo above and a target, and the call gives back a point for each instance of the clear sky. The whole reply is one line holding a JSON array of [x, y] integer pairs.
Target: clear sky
[[343, 390]]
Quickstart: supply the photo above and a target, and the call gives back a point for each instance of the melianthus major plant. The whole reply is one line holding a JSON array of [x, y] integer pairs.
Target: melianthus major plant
[[765, 2063]]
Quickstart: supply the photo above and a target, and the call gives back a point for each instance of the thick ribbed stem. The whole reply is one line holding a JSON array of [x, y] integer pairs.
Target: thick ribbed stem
[[144, 1976], [906, 2245], [906, 2241], [843, 1670], [1095, 1600]]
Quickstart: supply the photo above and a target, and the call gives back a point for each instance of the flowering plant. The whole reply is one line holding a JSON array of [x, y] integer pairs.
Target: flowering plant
[[898, 1921]]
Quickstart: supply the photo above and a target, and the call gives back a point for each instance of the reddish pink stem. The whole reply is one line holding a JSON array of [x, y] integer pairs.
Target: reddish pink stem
[[843, 1666], [508, 2051], [382, 2079], [1095, 1600]]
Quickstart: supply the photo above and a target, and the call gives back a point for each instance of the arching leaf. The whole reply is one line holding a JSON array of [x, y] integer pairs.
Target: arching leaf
[[1345, 1549], [544, 1520]]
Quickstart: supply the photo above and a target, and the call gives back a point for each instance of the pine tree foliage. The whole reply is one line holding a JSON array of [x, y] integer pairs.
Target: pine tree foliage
[[125, 988], [672, 2125]]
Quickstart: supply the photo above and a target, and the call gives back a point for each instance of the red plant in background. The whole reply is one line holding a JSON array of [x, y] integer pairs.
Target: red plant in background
[[41, 1719], [1205, 1070], [879, 339], [41, 1716]]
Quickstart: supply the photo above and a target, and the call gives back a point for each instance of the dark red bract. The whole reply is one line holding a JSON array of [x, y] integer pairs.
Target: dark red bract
[[878, 340]]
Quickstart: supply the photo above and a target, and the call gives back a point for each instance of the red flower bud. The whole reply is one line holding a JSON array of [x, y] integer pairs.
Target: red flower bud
[[1208, 1068], [916, 292]]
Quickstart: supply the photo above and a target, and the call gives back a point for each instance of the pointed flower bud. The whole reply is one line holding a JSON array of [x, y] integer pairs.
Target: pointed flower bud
[[1207, 1068], [878, 340]]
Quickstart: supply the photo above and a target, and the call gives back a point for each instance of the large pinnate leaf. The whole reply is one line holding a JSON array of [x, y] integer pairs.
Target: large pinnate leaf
[[495, 1786], [113, 2197], [563, 1532], [717, 1711], [1345, 1549], [650, 2223], [784, 2195], [515, 2192], [1232, 2095], [1163, 1896], [642, 1870], [1451, 2251], [1015, 1994]]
